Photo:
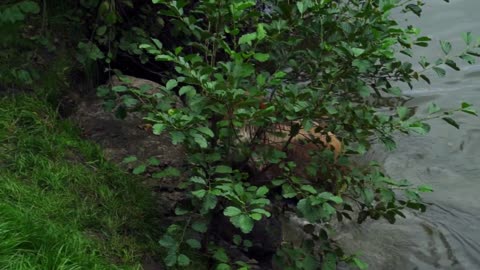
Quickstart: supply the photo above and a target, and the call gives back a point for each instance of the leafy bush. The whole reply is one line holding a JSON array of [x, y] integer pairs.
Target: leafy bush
[[13, 17], [34, 48], [267, 87]]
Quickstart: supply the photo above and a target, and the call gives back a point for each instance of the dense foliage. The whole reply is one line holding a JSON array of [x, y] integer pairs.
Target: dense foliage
[[12, 19], [275, 69], [254, 75]]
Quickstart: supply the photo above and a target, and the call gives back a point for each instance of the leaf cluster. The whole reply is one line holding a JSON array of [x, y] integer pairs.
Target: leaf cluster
[[251, 77]]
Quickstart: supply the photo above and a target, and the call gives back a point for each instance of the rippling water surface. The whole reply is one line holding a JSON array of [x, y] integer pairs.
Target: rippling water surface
[[447, 236]]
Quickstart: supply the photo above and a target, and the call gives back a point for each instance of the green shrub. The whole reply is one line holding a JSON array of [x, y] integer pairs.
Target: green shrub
[[253, 76], [13, 17]]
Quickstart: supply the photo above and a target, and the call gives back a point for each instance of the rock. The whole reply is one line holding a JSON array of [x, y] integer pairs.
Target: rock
[[121, 138], [150, 88]]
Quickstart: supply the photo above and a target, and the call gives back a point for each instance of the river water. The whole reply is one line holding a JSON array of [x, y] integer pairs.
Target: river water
[[447, 236]]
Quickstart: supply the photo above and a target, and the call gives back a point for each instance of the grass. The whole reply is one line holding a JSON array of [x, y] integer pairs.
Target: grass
[[62, 205]]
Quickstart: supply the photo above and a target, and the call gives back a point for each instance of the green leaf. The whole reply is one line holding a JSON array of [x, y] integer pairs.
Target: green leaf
[[101, 30], [279, 75], [121, 112], [167, 172], [129, 101], [177, 137], [288, 191], [255, 216], [261, 211], [440, 71], [396, 91], [336, 199], [198, 180], [310, 263], [446, 46], [103, 91], [183, 260], [223, 266], [451, 122], [243, 222], [278, 182], [420, 128], [261, 191], [309, 188], [276, 156], [207, 131], [199, 193], [301, 7], [327, 210], [325, 196], [368, 195], [247, 243], [247, 38], [307, 210], [129, 159], [260, 202], [357, 51], [261, 79], [243, 70], [140, 169], [452, 64], [232, 211], [144, 46], [220, 255], [179, 211], [194, 243], [425, 188], [167, 241], [171, 259], [466, 105], [223, 169], [119, 88], [163, 57], [425, 78], [171, 84], [476, 54], [402, 112], [153, 161], [178, 50], [467, 37], [237, 239], [29, 7], [387, 195], [417, 10], [261, 33], [209, 203], [468, 58], [261, 57], [199, 226], [358, 263], [470, 111], [433, 108], [157, 129], [364, 91], [157, 43], [187, 90]]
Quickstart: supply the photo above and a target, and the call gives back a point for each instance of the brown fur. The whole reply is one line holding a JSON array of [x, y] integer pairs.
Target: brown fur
[[297, 151]]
